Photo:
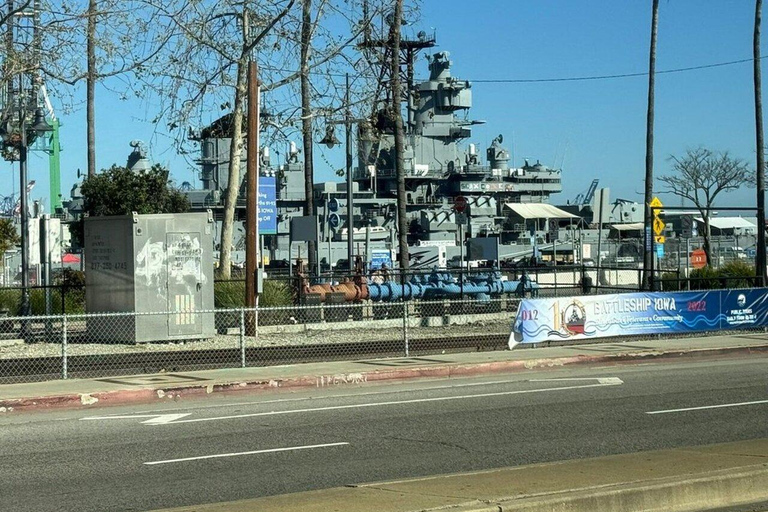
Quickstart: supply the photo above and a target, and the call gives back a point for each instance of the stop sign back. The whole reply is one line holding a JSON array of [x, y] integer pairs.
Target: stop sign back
[[699, 258], [460, 204]]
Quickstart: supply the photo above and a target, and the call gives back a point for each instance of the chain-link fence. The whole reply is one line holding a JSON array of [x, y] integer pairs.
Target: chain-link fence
[[108, 344]]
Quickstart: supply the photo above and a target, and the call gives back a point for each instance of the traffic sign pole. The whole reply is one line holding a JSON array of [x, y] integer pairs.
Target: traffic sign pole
[[460, 204]]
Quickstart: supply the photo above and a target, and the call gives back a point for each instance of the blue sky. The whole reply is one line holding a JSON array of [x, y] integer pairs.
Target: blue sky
[[596, 128]]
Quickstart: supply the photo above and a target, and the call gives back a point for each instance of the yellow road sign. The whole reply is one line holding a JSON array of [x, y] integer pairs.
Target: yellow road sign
[[660, 239], [658, 226], [656, 203]]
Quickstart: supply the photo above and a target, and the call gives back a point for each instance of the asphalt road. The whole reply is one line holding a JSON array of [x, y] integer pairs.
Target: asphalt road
[[244, 446]]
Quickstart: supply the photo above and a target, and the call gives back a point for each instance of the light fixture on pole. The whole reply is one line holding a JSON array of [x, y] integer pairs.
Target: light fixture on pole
[[330, 139], [40, 124]]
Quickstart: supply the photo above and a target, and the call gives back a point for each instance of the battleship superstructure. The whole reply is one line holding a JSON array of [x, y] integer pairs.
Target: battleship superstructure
[[438, 168]]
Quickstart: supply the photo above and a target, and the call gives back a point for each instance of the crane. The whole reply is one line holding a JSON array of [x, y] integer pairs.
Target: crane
[[586, 198]]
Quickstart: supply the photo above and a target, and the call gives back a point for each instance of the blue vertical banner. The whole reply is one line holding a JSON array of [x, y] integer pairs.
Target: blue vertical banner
[[267, 206], [381, 257], [627, 314]]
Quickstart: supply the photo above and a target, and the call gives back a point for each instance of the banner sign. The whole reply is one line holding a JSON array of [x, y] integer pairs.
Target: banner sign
[[600, 316], [267, 206], [381, 257]]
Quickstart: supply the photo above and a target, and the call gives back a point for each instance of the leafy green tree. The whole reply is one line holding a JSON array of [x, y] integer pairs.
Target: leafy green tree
[[9, 237], [120, 191]]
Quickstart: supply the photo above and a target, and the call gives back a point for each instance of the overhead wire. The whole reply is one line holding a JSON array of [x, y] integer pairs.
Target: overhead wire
[[610, 77], [591, 77]]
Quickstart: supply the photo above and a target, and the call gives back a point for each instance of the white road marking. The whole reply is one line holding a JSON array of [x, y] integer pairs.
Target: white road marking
[[255, 452], [155, 419], [719, 406], [607, 381], [398, 402], [352, 395]]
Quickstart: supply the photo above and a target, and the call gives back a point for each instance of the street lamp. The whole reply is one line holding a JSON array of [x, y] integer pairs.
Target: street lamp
[[16, 137], [330, 140]]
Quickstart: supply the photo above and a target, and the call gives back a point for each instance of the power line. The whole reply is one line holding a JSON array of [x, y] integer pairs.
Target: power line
[[608, 77]]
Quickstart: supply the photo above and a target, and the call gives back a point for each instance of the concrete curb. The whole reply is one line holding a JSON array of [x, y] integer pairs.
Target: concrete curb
[[716, 489], [147, 395], [707, 490]]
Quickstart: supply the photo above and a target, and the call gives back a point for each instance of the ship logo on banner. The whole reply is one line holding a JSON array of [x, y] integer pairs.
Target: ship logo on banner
[[574, 318]]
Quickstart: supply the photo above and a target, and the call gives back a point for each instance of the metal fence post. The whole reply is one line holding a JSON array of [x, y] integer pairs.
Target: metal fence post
[[405, 328], [554, 272], [64, 347], [242, 338]]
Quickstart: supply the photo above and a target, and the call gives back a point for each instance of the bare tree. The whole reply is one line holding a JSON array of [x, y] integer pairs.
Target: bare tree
[[760, 261], [397, 118], [701, 175], [209, 42], [200, 69], [72, 43], [648, 255]]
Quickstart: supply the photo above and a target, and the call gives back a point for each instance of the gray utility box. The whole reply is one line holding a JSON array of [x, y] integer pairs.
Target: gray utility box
[[160, 264]]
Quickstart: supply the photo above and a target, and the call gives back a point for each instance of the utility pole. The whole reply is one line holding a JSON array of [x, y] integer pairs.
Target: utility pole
[[90, 87], [648, 245], [252, 194], [760, 260], [350, 198], [399, 136]]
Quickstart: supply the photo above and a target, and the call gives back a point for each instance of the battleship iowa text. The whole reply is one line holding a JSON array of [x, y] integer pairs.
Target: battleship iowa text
[[634, 305]]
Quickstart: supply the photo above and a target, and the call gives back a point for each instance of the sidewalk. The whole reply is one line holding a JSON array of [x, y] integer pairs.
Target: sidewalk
[[148, 388], [696, 478]]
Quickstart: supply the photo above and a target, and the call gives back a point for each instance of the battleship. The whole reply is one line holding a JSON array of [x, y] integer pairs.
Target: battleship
[[441, 163]]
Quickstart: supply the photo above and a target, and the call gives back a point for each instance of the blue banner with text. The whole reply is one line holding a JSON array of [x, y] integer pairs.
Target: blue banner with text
[[627, 314]]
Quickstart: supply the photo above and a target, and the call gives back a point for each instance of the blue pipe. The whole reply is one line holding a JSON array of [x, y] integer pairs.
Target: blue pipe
[[440, 285]]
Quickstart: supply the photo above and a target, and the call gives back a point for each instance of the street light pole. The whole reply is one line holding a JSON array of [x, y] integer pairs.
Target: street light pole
[[350, 199], [24, 219]]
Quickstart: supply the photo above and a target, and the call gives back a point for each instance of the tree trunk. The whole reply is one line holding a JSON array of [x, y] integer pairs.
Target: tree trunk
[[90, 86], [233, 186], [397, 118], [707, 238], [306, 122], [648, 254], [760, 260]]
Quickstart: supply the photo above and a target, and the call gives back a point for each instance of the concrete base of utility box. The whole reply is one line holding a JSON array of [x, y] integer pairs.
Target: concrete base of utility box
[[155, 272]]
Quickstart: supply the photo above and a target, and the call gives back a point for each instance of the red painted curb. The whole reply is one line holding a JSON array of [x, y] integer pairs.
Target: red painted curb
[[129, 396]]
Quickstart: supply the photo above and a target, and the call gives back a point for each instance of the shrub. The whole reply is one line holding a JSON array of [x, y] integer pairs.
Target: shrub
[[671, 283], [231, 294], [706, 278], [10, 300], [738, 274], [276, 293]]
